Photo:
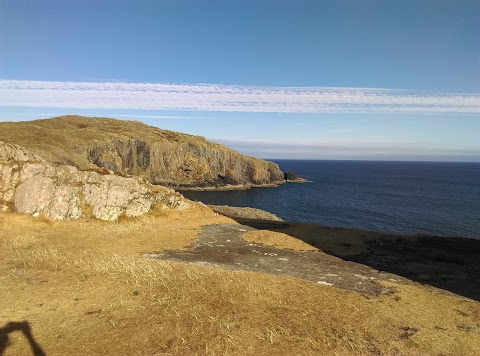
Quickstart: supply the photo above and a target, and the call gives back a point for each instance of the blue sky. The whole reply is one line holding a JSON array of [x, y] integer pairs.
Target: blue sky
[[275, 79]]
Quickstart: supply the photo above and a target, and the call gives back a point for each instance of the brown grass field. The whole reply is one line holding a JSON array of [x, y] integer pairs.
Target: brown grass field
[[83, 288]]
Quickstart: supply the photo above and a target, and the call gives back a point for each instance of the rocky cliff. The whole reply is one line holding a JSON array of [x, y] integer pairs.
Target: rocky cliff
[[130, 147], [30, 185]]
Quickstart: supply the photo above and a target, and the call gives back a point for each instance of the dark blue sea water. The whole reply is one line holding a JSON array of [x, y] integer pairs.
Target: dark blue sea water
[[436, 198]]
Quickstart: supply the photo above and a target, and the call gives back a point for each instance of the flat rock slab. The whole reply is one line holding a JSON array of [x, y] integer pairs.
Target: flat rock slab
[[221, 245]]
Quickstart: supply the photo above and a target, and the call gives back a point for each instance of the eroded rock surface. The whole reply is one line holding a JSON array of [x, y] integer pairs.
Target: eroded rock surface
[[221, 245], [30, 185]]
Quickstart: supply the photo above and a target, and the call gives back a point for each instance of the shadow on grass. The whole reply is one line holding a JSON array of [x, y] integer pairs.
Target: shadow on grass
[[448, 263], [23, 327]]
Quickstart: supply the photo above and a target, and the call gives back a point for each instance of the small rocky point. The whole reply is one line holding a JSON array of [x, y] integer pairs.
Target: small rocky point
[[292, 177], [31, 185], [244, 213]]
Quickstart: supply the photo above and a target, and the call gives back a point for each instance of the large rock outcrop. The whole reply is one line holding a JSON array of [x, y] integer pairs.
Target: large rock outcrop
[[162, 157], [30, 185]]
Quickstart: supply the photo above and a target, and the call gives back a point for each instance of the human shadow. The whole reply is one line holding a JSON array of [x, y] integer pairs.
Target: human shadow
[[448, 263], [23, 327]]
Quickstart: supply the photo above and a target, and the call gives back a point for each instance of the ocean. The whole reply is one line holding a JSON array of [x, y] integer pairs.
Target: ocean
[[435, 198]]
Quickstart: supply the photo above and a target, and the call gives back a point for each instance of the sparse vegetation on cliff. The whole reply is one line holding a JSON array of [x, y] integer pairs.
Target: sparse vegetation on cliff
[[131, 147]]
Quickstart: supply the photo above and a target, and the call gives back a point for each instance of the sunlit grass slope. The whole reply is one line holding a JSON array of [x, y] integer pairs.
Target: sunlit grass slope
[[85, 289]]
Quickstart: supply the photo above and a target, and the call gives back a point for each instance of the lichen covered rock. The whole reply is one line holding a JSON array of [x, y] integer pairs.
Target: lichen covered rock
[[33, 186]]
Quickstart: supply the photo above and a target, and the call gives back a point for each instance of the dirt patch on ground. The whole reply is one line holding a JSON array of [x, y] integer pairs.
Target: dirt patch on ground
[[222, 245]]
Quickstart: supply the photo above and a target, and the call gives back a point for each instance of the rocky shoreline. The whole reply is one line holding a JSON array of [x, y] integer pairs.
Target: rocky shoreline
[[244, 212], [227, 187], [230, 187], [299, 180]]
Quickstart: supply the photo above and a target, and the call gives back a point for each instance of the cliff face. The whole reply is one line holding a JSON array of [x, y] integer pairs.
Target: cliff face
[[163, 157]]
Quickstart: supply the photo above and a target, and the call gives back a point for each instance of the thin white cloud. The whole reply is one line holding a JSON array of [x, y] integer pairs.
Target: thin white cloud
[[231, 98], [377, 150], [162, 117], [137, 116]]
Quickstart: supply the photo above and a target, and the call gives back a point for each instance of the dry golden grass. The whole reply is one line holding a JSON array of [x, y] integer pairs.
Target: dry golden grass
[[277, 240], [85, 290]]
